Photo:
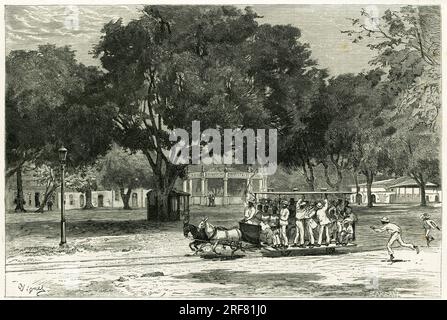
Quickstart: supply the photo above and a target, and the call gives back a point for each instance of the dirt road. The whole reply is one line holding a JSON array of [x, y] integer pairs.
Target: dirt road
[[109, 256]]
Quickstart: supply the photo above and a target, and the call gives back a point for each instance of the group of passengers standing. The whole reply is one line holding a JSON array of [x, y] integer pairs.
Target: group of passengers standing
[[302, 222]]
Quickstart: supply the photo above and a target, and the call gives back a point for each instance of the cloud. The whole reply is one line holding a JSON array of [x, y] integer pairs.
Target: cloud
[[23, 21], [35, 38]]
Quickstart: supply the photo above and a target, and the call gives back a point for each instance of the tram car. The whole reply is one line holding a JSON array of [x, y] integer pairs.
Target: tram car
[[247, 236]]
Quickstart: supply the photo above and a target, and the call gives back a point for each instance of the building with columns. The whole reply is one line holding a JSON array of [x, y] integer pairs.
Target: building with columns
[[228, 184]]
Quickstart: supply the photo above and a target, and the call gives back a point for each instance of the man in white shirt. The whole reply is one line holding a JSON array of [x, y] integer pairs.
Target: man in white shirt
[[283, 222], [395, 235], [323, 221], [249, 213], [310, 223], [300, 220]]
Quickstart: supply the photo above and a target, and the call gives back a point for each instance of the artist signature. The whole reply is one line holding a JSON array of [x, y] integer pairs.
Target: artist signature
[[385, 294], [31, 289]]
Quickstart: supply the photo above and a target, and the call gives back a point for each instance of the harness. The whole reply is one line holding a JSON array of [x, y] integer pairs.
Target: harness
[[227, 235], [214, 233]]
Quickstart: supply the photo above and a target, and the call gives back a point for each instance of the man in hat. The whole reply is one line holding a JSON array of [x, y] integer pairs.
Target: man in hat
[[250, 212], [266, 234], [310, 222], [428, 225], [274, 226], [395, 235], [283, 223], [258, 216], [349, 213], [300, 220], [336, 221], [323, 221]]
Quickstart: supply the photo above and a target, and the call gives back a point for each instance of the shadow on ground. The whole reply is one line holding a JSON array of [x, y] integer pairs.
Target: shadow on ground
[[87, 228], [244, 283]]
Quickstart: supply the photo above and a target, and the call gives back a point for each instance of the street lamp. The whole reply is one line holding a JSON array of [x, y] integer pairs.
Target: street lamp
[[62, 157]]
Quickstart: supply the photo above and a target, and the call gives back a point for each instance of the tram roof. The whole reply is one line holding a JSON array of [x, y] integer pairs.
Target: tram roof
[[303, 192]]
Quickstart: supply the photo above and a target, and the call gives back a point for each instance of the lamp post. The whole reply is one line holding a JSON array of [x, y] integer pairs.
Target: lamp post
[[62, 157]]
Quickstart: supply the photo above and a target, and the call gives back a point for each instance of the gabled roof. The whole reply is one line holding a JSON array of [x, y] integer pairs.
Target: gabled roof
[[395, 183], [409, 182], [381, 183]]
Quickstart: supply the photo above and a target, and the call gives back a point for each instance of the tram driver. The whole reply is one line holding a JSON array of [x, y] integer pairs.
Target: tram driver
[[250, 213]]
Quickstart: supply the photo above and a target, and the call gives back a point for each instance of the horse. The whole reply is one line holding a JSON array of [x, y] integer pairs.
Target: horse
[[199, 236], [222, 235]]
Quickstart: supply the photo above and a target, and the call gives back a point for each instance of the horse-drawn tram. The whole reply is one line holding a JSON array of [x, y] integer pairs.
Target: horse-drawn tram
[[276, 225]]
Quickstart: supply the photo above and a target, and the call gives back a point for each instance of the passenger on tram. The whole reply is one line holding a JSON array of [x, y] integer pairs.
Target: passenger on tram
[[291, 227], [310, 223], [336, 217], [323, 221], [283, 222], [300, 218], [249, 213], [274, 226], [258, 216], [349, 213], [275, 206], [266, 235]]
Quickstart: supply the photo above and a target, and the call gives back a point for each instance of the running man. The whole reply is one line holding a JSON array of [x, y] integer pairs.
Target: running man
[[428, 225], [395, 235]]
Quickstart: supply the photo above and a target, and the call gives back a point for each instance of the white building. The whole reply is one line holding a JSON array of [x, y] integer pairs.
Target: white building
[[34, 194], [103, 199], [400, 190]]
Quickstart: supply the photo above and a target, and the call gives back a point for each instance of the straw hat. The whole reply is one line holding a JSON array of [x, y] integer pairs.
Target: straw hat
[[425, 216], [385, 219]]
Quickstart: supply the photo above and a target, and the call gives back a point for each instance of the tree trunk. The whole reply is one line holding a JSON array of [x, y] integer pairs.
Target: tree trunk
[[423, 200], [162, 205], [357, 189], [334, 185], [20, 199], [419, 178], [126, 197], [165, 184], [166, 175], [309, 175], [46, 196], [88, 199], [369, 180]]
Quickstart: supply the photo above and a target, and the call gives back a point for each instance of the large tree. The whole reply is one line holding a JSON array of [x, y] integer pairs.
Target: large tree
[[413, 155], [51, 101], [37, 82], [175, 65], [48, 177], [122, 170], [302, 135], [407, 45], [282, 69], [85, 180]]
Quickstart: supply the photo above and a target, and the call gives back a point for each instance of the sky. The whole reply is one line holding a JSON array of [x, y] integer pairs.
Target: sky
[[80, 27]]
